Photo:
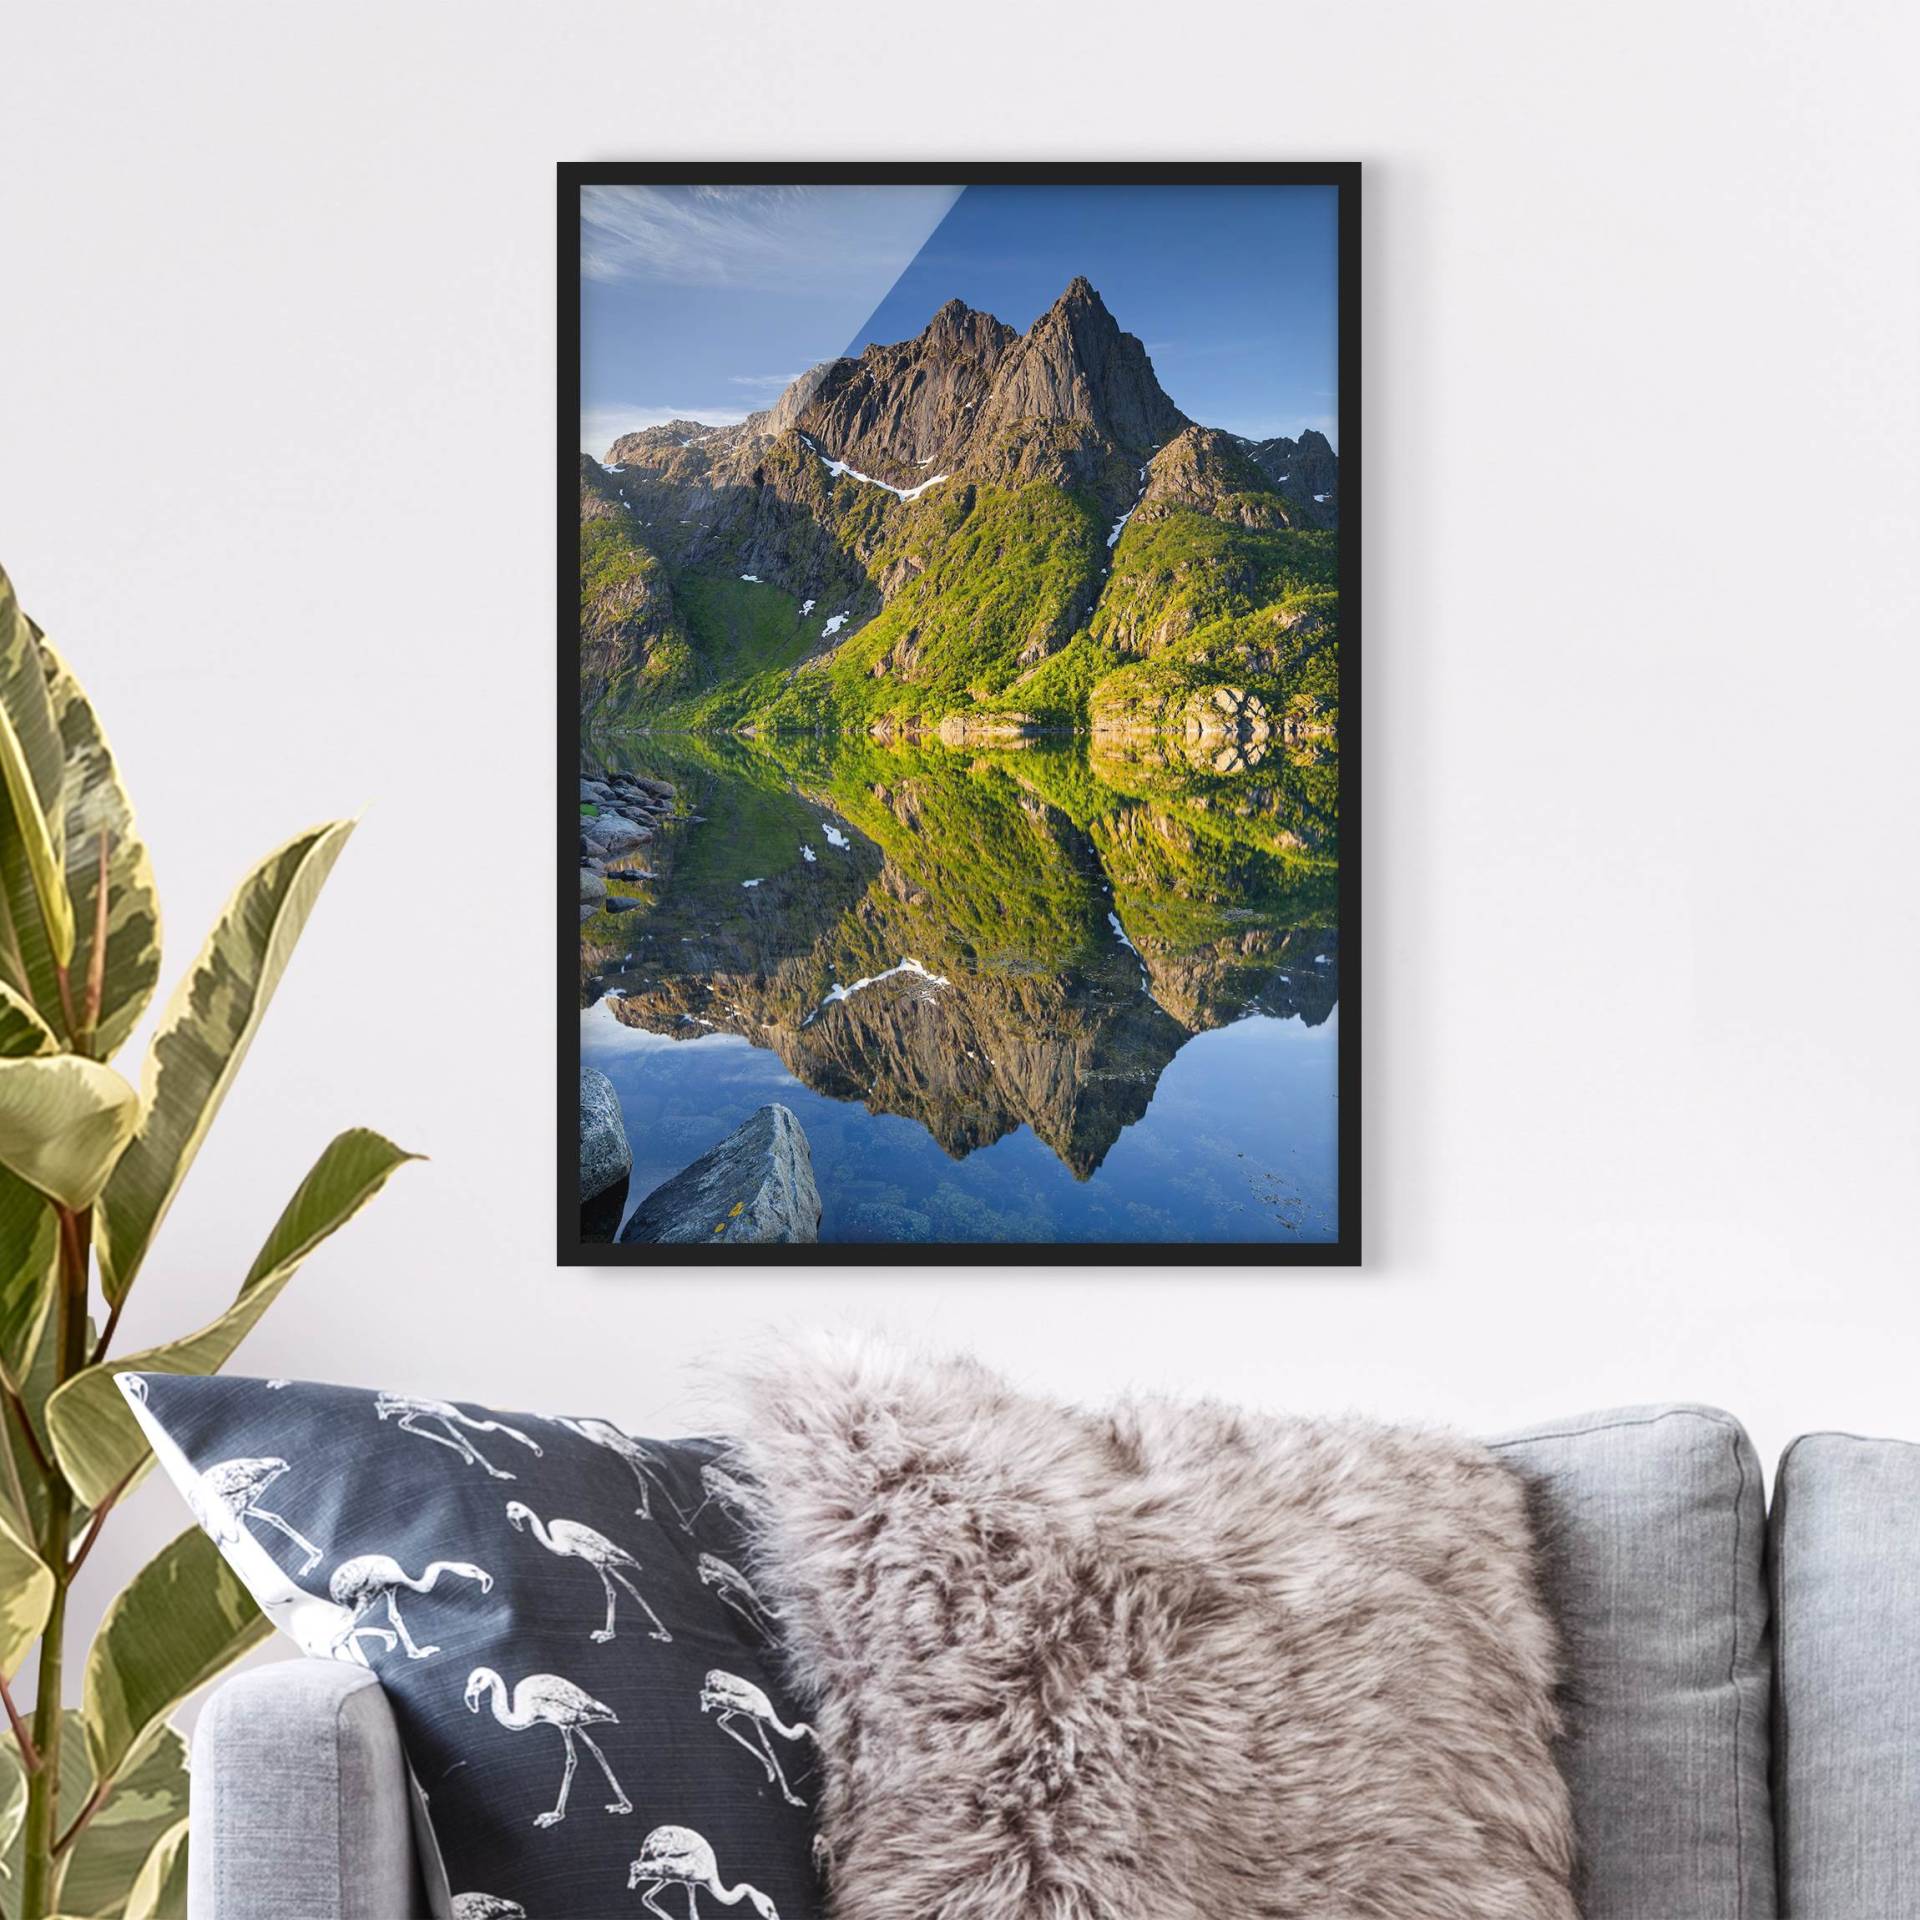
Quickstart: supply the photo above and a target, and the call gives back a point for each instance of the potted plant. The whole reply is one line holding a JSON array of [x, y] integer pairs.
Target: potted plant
[[93, 1799]]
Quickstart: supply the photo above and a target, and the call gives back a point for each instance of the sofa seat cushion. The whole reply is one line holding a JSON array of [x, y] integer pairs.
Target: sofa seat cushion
[[1652, 1527], [1846, 1581]]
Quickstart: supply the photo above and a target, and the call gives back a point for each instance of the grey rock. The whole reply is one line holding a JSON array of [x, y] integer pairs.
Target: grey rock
[[605, 1156], [618, 834], [592, 888], [756, 1186]]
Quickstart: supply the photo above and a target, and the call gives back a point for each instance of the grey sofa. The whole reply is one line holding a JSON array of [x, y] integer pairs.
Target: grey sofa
[[1742, 1713]]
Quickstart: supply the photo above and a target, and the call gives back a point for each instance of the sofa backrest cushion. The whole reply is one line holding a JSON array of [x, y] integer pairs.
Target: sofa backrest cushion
[[1652, 1526], [1845, 1542]]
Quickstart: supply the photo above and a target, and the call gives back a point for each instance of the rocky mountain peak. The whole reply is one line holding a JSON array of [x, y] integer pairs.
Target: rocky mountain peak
[[1076, 366], [1305, 471]]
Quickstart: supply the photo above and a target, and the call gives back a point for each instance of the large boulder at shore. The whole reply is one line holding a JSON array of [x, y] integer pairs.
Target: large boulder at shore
[[605, 1157], [618, 834], [755, 1186]]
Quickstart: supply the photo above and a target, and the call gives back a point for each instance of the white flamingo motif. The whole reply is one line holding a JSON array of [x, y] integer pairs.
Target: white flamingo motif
[[736, 1591], [364, 1582], [678, 1857], [228, 1494], [729, 1696], [720, 1486], [486, 1906], [410, 1408], [544, 1699], [573, 1541], [643, 1460]]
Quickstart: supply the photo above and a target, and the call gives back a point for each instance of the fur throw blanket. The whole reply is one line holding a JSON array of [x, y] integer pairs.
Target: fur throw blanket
[[1163, 1663]]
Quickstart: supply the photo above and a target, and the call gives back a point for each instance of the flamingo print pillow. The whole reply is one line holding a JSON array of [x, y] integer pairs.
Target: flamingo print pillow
[[582, 1673]]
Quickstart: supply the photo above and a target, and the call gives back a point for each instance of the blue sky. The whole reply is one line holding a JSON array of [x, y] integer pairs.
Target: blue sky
[[703, 302]]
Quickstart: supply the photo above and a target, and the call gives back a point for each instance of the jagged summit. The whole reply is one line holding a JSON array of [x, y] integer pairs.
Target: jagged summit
[[1075, 365], [1072, 399]]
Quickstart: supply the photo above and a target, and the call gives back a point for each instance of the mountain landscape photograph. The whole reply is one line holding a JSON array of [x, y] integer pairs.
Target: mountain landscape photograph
[[958, 717]]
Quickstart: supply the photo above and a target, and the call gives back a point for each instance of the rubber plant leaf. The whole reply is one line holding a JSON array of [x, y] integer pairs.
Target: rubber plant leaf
[[160, 1892], [64, 1124], [146, 1801], [32, 769], [26, 1593], [183, 1618], [98, 813], [203, 1037]]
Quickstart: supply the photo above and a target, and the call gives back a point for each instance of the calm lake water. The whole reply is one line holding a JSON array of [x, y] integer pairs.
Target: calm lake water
[[1012, 995]]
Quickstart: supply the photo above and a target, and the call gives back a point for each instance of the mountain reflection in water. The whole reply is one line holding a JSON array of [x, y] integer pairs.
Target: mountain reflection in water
[[1029, 994]]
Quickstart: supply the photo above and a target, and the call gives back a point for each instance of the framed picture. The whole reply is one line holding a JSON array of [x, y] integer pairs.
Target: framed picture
[[959, 615]]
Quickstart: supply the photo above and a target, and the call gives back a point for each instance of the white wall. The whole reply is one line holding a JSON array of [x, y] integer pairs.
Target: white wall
[[1643, 1041]]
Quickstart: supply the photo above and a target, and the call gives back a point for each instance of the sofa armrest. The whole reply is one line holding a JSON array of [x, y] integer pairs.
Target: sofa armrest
[[302, 1808], [1846, 1576]]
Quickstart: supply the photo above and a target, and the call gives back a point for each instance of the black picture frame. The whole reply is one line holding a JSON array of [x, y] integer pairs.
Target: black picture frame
[[1345, 1250]]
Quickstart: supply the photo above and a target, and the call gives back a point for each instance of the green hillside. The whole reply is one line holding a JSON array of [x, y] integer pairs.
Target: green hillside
[[1007, 607]]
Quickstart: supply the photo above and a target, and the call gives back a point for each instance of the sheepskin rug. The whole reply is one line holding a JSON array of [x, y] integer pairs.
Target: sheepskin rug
[[1158, 1662]]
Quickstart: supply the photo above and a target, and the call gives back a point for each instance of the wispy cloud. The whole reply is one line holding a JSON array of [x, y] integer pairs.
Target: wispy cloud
[[600, 427], [765, 382], [772, 238]]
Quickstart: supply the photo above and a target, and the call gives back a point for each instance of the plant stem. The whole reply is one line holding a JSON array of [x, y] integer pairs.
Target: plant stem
[[29, 1753], [85, 1814], [40, 1881], [37, 1891], [101, 1345], [66, 1006], [93, 1527]]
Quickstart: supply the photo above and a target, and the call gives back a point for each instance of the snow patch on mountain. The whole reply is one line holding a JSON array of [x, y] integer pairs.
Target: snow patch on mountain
[[908, 965], [839, 467]]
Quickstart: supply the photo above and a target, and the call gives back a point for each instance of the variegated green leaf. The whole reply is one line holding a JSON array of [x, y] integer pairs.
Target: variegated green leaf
[[13, 1797], [32, 832], [76, 1782], [98, 1441], [160, 1893], [32, 821], [23, 694], [64, 1122], [202, 1039], [146, 1802], [182, 1619], [22, 1031], [37, 1383], [97, 808], [29, 1254], [26, 1592], [29, 822]]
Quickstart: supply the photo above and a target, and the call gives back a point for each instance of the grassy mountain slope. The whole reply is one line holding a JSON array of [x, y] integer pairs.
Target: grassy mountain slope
[[635, 652]]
